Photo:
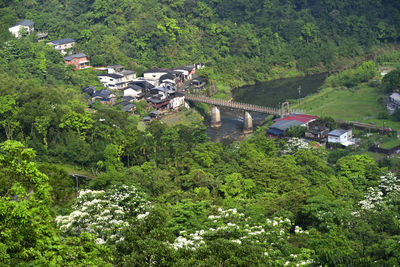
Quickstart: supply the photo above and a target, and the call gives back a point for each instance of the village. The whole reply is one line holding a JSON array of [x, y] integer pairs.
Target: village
[[164, 90]]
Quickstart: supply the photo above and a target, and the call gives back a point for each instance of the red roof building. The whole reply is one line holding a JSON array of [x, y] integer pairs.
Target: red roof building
[[80, 61], [305, 119]]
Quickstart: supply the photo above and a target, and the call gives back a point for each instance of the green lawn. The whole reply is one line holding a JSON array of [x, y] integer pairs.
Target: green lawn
[[391, 143], [182, 117], [345, 104]]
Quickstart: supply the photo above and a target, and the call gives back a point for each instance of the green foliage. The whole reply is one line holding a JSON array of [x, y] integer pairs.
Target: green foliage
[[391, 80], [352, 77]]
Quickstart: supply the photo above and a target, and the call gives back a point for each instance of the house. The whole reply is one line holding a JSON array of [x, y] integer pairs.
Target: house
[[177, 101], [112, 81], [42, 36], [146, 85], [104, 96], [80, 61], [187, 71], [304, 119], [129, 108], [63, 45], [340, 136], [130, 99], [280, 127], [155, 74], [199, 82], [199, 66], [129, 75], [89, 90], [133, 91], [126, 106], [158, 103], [25, 25], [317, 132], [167, 78]]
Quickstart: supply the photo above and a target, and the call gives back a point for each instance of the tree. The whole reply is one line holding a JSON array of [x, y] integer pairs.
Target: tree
[[391, 80], [104, 213], [79, 122], [8, 112]]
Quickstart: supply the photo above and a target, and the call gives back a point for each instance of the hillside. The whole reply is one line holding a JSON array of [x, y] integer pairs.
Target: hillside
[[243, 41]]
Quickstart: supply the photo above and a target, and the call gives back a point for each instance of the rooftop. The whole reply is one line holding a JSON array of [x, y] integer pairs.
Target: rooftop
[[112, 75], [337, 132], [156, 70], [301, 118], [283, 125], [80, 55], [62, 41], [25, 22]]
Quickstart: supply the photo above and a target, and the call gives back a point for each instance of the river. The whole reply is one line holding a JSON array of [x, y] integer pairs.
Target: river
[[268, 94]]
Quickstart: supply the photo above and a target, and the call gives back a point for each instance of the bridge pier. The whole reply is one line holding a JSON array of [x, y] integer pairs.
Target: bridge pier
[[215, 117], [247, 123]]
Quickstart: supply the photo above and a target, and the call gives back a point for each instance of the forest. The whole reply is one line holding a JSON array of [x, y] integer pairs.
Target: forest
[[168, 196], [242, 41]]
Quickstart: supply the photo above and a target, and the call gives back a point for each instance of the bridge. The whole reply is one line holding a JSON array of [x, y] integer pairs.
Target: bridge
[[248, 120]]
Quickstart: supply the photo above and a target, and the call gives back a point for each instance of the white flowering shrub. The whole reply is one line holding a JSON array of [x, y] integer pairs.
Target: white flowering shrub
[[104, 213], [376, 198], [231, 225], [295, 144]]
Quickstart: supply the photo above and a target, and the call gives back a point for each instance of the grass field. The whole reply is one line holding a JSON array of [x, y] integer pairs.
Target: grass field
[[361, 105], [182, 117], [391, 143], [345, 104]]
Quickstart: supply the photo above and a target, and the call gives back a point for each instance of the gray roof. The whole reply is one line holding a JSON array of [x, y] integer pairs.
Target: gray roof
[[128, 107], [25, 22], [157, 70], [283, 125], [75, 56], [128, 72], [184, 68], [63, 41], [337, 133], [112, 75]]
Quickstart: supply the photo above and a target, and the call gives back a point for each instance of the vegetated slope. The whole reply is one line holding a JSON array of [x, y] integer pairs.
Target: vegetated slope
[[242, 40]]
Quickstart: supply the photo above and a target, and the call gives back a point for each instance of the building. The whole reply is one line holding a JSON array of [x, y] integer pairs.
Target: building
[[63, 45], [129, 75], [198, 82], [25, 25], [112, 81], [281, 126], [187, 71], [340, 136], [177, 101], [304, 119], [133, 91], [318, 133], [155, 74], [42, 36], [80, 61]]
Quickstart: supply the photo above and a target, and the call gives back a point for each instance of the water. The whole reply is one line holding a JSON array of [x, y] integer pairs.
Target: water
[[269, 94]]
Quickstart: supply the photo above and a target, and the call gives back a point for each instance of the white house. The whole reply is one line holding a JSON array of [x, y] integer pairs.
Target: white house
[[112, 81], [63, 45], [129, 75], [132, 91], [344, 137], [177, 101], [187, 71], [155, 74], [27, 25]]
